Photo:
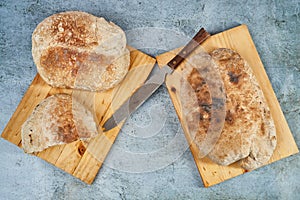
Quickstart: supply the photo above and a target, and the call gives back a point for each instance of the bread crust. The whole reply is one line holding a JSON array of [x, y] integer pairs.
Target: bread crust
[[78, 50]]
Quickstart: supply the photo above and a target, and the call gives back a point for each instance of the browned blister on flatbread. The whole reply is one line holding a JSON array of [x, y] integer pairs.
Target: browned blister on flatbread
[[203, 101], [55, 121]]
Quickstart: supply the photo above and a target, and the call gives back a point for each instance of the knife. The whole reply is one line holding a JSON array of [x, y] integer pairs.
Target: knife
[[154, 81]]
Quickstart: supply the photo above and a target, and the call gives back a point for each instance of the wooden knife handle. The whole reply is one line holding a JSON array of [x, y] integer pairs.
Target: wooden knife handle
[[199, 38]]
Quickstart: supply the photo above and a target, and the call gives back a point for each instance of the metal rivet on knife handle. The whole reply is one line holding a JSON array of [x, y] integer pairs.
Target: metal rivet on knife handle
[[200, 37]]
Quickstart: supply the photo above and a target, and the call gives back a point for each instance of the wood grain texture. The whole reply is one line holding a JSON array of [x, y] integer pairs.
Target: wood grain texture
[[238, 39], [82, 159]]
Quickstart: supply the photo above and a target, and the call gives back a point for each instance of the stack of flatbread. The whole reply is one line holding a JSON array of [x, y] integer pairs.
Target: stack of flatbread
[[79, 51]]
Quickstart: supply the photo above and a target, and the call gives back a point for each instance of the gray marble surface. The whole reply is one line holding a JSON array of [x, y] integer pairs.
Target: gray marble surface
[[275, 28]]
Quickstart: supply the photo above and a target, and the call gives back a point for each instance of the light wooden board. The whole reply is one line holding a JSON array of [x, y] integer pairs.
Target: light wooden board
[[238, 39], [74, 158]]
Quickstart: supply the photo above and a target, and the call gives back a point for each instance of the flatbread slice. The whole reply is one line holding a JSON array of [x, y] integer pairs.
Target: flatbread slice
[[58, 119]]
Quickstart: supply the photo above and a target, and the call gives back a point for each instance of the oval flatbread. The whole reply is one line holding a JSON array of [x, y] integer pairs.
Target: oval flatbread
[[81, 51]]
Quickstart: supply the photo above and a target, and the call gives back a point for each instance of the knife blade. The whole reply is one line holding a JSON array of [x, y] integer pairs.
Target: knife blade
[[154, 81]]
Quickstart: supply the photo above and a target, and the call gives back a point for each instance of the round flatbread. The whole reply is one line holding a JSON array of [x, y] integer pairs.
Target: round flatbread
[[81, 51]]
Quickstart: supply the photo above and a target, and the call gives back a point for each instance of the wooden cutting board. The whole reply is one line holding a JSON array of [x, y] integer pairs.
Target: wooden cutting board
[[238, 39], [74, 158]]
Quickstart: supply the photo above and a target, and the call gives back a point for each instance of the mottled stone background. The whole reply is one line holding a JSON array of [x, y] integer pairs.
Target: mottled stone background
[[275, 28]]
